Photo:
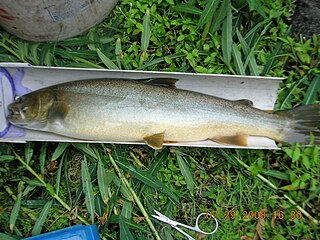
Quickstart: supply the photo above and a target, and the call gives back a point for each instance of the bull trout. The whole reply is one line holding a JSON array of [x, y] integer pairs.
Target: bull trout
[[154, 111]]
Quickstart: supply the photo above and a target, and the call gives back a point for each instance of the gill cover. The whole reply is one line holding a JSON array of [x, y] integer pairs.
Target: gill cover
[[31, 110]]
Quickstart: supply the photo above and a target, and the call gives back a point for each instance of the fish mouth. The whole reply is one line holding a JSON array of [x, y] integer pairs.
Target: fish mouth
[[16, 116]]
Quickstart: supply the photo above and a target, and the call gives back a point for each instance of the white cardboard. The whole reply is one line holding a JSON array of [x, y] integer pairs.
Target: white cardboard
[[261, 90]]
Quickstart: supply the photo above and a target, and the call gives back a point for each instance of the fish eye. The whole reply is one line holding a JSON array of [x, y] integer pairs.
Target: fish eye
[[18, 99]]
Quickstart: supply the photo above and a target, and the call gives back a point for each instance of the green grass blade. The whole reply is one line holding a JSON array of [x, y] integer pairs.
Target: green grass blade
[[274, 54], [147, 179], [42, 218], [145, 36], [286, 102], [237, 60], [66, 180], [124, 229], [99, 205], [187, 8], [59, 150], [254, 71], [219, 16], [102, 181], [256, 6], [58, 178], [79, 192], [28, 152], [42, 157], [162, 59], [87, 188], [158, 161], [146, 33], [123, 188], [208, 12], [6, 237], [15, 211], [114, 219], [312, 92], [126, 210], [106, 61], [186, 173], [86, 149], [118, 52], [251, 34], [277, 174], [227, 36]]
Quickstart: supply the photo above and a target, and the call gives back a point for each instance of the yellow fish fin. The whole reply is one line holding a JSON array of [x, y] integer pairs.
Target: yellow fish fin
[[155, 141], [239, 140]]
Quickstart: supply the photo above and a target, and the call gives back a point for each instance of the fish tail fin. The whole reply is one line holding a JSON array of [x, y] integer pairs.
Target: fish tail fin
[[304, 127]]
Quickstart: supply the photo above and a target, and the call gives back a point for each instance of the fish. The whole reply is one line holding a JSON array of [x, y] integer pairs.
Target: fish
[[156, 112]]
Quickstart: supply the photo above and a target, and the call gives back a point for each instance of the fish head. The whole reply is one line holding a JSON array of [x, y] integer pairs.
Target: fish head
[[31, 110]]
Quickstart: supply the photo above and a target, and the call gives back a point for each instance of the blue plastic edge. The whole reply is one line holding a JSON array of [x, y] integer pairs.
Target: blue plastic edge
[[86, 233]]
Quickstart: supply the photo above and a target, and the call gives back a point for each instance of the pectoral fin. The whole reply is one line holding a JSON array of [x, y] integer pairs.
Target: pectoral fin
[[155, 141], [58, 112], [239, 140]]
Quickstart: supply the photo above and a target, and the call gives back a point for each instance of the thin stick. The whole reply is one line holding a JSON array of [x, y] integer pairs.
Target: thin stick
[[136, 198]]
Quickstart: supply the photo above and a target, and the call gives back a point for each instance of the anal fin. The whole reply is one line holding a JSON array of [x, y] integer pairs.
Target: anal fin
[[239, 140], [155, 141]]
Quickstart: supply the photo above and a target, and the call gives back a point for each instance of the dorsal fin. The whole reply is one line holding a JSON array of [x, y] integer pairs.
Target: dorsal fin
[[245, 102], [165, 82]]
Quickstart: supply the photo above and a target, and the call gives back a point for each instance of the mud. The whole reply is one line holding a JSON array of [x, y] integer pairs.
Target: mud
[[306, 19]]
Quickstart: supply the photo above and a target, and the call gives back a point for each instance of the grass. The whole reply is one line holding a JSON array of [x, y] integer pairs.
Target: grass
[[254, 194]]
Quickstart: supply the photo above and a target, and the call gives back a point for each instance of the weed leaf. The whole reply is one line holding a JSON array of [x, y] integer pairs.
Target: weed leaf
[[274, 54], [208, 12], [186, 173], [187, 8], [277, 174], [42, 157], [159, 160], [42, 218], [237, 60], [106, 61], [126, 209], [87, 188], [146, 33], [124, 229], [87, 149], [58, 179], [313, 89], [147, 179], [102, 180], [15, 211], [118, 52], [59, 150], [219, 16], [227, 36]]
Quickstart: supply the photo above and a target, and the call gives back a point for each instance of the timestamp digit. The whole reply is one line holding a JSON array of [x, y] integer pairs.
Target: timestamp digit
[[245, 215], [262, 214]]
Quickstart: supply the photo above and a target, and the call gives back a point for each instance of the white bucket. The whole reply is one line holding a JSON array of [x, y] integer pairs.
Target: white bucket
[[52, 20]]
